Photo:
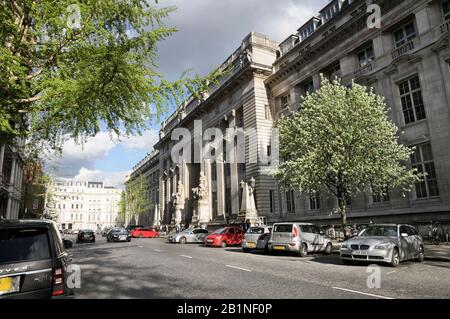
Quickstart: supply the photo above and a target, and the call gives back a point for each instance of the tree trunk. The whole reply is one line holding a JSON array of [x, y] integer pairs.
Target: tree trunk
[[342, 211]]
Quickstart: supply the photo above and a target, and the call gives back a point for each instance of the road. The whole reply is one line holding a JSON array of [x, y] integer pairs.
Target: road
[[153, 268]]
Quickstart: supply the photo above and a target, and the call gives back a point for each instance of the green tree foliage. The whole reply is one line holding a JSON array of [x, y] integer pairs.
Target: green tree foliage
[[75, 67], [342, 141], [137, 197]]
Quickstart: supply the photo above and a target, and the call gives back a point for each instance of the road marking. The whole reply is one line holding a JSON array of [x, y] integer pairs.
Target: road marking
[[186, 256], [391, 272], [362, 293], [157, 250], [230, 266]]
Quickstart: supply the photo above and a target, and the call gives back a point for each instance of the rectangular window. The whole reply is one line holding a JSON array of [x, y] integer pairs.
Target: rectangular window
[[381, 198], [314, 202], [446, 9], [272, 201], [308, 87], [404, 34], [366, 56], [268, 112], [290, 201], [412, 101], [422, 160], [285, 101], [333, 72]]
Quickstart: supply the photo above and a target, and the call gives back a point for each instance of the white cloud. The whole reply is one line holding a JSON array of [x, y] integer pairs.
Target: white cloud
[[141, 142], [115, 179]]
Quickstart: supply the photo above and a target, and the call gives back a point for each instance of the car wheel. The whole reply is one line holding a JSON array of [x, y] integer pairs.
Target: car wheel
[[223, 244], [183, 240], [93, 240], [421, 256], [328, 249], [303, 251], [245, 250], [395, 260], [129, 239]]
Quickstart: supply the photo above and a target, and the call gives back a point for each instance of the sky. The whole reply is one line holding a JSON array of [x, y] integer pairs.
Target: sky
[[209, 31]]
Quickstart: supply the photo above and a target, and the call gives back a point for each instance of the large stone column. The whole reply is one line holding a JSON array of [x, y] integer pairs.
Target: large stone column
[[234, 176], [162, 199], [220, 188]]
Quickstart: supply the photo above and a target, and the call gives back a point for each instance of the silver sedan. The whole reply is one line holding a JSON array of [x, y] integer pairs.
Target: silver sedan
[[390, 244], [196, 235]]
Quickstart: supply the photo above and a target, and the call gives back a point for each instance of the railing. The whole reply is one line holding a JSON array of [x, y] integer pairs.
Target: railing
[[404, 49], [445, 27], [363, 70]]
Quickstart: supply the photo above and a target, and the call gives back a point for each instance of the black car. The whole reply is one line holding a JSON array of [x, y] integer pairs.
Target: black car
[[118, 234], [34, 262], [86, 235]]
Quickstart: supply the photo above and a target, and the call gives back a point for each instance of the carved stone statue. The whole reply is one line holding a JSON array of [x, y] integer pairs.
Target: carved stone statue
[[200, 191]]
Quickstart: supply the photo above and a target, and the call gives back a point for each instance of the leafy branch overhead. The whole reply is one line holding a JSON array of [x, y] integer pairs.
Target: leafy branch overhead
[[77, 67]]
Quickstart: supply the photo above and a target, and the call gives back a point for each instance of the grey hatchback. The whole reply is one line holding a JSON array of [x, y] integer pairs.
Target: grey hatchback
[[256, 237], [388, 243]]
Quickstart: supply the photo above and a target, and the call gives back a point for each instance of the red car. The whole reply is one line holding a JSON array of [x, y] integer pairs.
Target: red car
[[223, 237], [144, 233]]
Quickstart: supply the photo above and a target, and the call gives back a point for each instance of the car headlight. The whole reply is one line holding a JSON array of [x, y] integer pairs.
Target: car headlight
[[383, 246]]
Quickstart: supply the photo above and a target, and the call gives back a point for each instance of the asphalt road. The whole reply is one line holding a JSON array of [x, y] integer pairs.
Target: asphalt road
[[153, 268]]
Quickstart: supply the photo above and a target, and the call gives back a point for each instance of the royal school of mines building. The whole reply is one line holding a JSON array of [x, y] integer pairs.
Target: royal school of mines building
[[407, 61]]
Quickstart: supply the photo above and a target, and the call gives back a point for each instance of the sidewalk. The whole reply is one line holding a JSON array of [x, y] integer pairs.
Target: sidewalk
[[432, 252]]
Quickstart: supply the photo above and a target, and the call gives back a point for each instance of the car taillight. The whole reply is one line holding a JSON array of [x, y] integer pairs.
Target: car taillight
[[58, 282], [294, 232]]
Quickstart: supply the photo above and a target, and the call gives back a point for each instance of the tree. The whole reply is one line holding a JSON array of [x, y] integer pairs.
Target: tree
[[73, 68], [137, 197], [122, 208], [342, 141]]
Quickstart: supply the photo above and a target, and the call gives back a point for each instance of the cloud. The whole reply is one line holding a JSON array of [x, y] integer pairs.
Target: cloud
[[75, 156], [115, 179]]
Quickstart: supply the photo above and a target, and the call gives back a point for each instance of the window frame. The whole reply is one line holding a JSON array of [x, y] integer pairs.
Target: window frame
[[423, 165], [412, 102], [405, 37], [367, 58], [445, 6]]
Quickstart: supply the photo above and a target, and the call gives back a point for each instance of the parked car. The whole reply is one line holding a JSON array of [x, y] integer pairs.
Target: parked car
[[144, 233], [256, 237], [299, 238], [105, 231], [389, 243], [75, 232], [86, 235], [223, 237], [131, 227], [196, 235], [33, 260], [118, 234]]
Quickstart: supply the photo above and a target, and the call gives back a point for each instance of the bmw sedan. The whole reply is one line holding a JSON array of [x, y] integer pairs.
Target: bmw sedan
[[118, 234], [390, 244], [189, 236]]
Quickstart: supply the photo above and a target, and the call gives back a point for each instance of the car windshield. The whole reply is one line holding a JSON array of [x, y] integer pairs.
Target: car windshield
[[17, 245], [220, 231], [255, 230], [383, 231], [119, 231], [283, 228]]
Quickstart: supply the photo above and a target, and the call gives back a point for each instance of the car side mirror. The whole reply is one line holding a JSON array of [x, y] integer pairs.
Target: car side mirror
[[67, 244], [404, 235]]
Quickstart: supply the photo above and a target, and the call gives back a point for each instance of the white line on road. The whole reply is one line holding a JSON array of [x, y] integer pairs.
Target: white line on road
[[230, 266], [186, 256], [362, 293], [391, 272], [157, 250]]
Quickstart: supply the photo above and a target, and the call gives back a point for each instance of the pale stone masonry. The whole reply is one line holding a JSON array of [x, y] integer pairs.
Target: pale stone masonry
[[406, 61]]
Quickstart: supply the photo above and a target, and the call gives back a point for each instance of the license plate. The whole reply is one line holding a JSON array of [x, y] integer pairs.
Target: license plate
[[251, 245], [123, 238], [9, 285], [279, 247], [360, 252]]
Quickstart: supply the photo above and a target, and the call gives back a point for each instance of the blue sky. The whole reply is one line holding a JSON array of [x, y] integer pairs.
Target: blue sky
[[209, 31]]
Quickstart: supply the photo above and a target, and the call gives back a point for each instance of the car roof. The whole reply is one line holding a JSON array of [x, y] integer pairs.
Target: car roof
[[306, 224], [13, 223]]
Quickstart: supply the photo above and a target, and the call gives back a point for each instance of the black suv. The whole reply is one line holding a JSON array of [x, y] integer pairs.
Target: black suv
[[86, 235], [33, 260]]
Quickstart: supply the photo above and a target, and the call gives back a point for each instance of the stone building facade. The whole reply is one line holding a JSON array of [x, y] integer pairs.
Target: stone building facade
[[406, 60], [11, 175]]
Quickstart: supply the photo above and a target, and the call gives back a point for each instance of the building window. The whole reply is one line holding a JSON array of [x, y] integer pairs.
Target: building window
[[404, 34], [272, 201], [412, 101], [366, 56], [285, 101], [381, 198], [308, 87], [268, 112], [333, 72], [314, 201], [422, 160], [290, 201], [446, 9]]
